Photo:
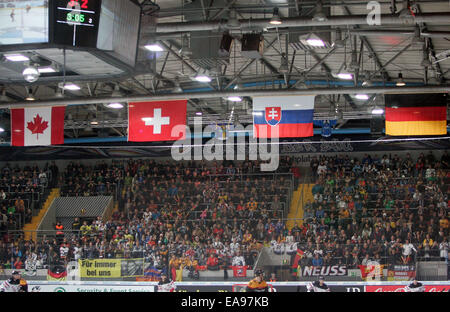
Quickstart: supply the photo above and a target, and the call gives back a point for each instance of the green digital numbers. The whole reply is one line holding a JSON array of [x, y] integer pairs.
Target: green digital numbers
[[78, 18]]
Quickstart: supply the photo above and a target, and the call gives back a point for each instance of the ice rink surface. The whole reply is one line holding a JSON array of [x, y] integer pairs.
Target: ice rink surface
[[17, 26]]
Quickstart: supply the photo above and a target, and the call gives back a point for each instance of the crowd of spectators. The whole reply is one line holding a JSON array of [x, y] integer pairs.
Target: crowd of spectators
[[197, 215], [80, 179], [210, 216], [386, 210], [21, 191]]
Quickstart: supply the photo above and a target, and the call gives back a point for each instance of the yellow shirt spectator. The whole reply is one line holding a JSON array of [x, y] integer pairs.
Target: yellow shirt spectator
[[129, 237], [247, 237], [252, 205], [443, 223], [174, 262], [85, 229], [427, 242], [344, 214], [223, 198]]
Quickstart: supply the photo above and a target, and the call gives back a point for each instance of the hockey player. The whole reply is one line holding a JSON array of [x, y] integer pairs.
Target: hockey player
[[23, 285], [258, 284], [318, 286], [165, 284], [14, 284], [415, 286]]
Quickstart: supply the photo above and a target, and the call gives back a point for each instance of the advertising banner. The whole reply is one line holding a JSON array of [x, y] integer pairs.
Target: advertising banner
[[335, 270], [401, 273], [401, 288], [90, 288], [278, 288], [39, 286], [303, 149], [132, 267], [111, 268], [103, 268]]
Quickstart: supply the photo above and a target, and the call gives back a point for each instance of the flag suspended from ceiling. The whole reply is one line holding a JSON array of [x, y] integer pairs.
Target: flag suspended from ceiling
[[283, 116], [416, 114], [37, 126], [157, 121]]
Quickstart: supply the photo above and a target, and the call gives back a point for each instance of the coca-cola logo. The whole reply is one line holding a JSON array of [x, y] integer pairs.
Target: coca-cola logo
[[399, 288], [381, 289], [438, 289]]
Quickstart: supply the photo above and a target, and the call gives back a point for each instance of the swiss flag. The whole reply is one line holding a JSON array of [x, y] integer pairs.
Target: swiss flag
[[157, 121], [40, 126]]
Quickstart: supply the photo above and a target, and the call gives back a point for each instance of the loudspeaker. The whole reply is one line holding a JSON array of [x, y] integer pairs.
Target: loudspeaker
[[225, 46], [252, 46]]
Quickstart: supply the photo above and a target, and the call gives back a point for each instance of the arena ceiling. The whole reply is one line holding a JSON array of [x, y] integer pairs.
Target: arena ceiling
[[190, 32]]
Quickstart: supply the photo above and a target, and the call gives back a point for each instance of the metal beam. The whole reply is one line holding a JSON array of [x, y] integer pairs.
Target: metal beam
[[433, 52], [182, 60], [269, 66], [215, 94], [243, 68], [265, 62], [319, 62], [223, 10], [177, 56], [400, 33], [163, 67], [369, 47], [345, 20], [391, 60]]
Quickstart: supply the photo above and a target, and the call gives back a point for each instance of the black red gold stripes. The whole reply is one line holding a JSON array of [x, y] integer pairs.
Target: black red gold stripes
[[416, 114]]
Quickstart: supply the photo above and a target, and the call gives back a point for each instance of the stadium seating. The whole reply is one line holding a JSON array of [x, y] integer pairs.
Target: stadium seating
[[168, 209], [172, 214], [370, 209]]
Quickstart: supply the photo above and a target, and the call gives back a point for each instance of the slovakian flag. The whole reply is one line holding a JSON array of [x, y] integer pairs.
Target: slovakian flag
[[283, 116], [416, 114], [157, 121], [37, 126]]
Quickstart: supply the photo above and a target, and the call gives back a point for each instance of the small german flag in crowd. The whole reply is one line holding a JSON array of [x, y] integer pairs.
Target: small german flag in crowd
[[416, 114], [57, 273]]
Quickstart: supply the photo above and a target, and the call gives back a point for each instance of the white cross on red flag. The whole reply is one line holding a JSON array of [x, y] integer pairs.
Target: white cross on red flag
[[157, 121]]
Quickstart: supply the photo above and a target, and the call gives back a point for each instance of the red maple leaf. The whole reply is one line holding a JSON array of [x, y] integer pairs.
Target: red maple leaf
[[37, 127]]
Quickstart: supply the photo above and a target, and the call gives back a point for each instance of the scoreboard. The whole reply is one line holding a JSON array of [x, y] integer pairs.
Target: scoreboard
[[108, 26], [76, 22]]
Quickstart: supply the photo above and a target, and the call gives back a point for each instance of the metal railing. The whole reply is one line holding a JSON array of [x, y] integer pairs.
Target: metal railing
[[307, 263], [69, 191]]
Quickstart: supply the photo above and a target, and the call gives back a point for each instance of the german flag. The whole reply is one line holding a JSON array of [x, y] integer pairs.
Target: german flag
[[57, 273], [296, 261], [416, 114]]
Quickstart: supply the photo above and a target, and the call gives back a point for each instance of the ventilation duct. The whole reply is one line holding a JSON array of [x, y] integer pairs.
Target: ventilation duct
[[252, 46], [206, 46]]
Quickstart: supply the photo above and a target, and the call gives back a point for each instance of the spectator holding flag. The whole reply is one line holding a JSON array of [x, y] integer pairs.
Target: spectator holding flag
[[408, 248]]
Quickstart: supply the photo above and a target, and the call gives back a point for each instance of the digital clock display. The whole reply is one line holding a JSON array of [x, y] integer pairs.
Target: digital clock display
[[76, 22]]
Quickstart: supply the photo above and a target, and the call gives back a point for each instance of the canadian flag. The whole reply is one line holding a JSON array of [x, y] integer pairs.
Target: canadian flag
[[157, 121], [40, 126]]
